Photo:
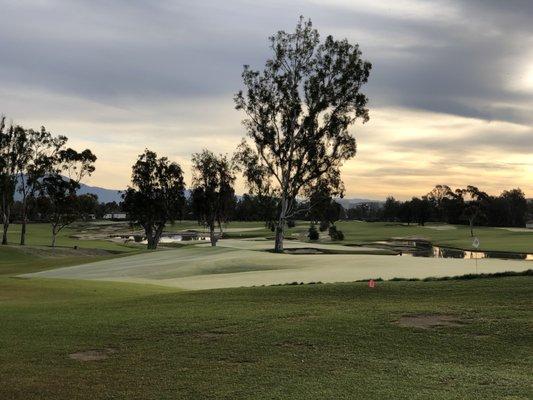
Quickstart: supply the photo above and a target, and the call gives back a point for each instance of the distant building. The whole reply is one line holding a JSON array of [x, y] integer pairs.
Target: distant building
[[116, 216]]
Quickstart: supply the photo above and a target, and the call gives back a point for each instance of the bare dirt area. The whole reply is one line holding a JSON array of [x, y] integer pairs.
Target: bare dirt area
[[429, 321], [92, 355]]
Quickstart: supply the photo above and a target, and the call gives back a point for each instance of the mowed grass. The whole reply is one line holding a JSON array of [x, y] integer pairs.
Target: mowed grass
[[336, 341], [238, 263], [322, 341], [458, 236]]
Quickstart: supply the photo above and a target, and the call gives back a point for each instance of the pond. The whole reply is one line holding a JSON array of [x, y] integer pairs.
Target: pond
[[422, 248]]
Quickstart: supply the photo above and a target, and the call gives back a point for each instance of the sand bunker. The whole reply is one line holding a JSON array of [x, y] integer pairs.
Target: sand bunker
[[92, 355], [428, 321], [441, 227]]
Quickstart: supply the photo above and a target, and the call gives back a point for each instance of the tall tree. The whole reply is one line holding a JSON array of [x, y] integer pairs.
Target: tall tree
[[298, 111], [474, 209], [212, 190], [516, 207], [11, 154], [391, 209], [38, 154], [60, 190], [156, 195]]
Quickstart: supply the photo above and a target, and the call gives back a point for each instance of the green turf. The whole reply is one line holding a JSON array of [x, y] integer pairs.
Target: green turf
[[495, 239], [291, 342], [328, 341]]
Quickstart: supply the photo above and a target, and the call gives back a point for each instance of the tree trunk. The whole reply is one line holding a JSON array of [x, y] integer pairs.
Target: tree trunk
[[471, 228], [150, 239], [54, 234], [278, 245], [212, 235], [6, 227], [23, 232], [23, 227]]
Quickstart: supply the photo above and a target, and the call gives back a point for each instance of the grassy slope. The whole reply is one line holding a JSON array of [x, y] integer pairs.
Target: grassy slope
[[293, 342], [233, 264]]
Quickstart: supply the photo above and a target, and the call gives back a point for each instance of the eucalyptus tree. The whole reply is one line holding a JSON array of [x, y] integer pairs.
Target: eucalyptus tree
[[474, 205], [38, 154], [212, 190], [156, 195], [298, 112], [11, 154], [60, 184]]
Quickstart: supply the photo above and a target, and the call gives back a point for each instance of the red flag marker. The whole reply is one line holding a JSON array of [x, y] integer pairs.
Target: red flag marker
[[371, 283]]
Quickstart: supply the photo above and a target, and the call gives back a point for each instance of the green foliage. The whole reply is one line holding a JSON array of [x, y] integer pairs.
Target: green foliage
[[335, 234], [213, 195], [313, 234], [157, 195], [298, 111]]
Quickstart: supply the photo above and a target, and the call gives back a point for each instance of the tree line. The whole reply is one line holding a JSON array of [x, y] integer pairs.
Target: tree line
[[469, 205], [44, 171], [298, 111]]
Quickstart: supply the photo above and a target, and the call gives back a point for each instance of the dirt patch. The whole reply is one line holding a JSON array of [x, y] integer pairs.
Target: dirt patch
[[92, 355], [429, 321]]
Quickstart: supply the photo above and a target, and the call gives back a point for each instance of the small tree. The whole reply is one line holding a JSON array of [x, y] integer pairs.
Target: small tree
[[298, 111], [313, 234], [156, 196], [212, 190]]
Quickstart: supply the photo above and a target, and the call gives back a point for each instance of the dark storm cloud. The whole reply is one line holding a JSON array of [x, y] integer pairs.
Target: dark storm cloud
[[134, 53]]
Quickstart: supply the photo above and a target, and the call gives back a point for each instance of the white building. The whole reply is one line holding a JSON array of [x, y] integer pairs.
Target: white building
[[116, 216]]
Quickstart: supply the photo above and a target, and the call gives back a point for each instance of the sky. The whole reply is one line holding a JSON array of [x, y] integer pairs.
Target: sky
[[450, 92]]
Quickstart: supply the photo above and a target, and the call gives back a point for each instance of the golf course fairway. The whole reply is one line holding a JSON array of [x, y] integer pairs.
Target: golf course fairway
[[237, 263]]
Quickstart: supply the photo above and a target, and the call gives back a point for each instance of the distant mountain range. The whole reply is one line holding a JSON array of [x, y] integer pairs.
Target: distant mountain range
[[104, 195], [110, 195]]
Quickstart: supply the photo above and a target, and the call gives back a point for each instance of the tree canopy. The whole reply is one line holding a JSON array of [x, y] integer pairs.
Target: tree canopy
[[298, 111], [156, 195]]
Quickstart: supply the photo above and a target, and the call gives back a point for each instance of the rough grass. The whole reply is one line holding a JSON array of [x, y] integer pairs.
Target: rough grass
[[326, 341]]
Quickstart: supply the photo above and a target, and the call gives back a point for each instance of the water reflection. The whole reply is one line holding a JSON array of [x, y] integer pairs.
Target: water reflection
[[417, 250]]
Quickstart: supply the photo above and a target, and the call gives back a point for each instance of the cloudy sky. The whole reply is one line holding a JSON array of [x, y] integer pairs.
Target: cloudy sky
[[451, 90]]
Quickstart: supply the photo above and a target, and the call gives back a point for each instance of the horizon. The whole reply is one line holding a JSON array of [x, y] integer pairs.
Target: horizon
[[450, 94]]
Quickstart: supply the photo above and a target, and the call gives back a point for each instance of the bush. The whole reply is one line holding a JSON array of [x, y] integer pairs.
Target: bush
[[313, 233], [324, 225], [335, 234], [291, 223]]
